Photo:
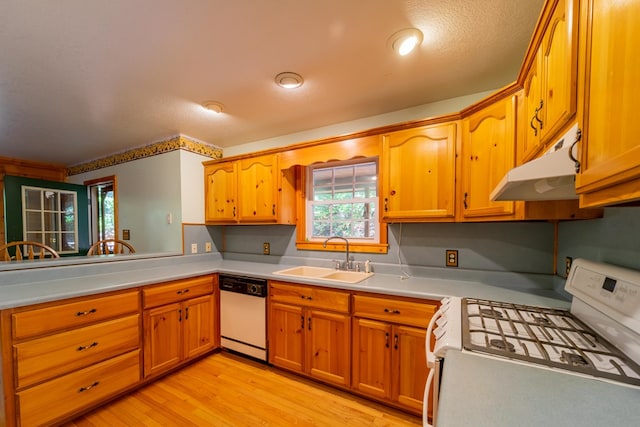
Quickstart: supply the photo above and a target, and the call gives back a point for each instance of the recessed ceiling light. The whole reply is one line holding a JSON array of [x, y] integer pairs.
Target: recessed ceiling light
[[405, 41], [214, 106], [289, 80]]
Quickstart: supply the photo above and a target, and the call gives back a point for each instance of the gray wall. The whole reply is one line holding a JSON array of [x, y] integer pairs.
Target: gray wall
[[614, 239], [519, 246], [525, 247]]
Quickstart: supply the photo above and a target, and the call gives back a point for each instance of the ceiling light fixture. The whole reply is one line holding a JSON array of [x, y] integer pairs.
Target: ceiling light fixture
[[289, 80], [405, 41], [214, 106]]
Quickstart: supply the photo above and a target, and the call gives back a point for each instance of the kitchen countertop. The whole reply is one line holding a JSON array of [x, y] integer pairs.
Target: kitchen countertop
[[522, 395], [480, 391], [56, 282]]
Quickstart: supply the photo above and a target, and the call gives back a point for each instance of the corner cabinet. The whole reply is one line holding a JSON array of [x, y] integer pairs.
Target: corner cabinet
[[389, 356], [179, 322], [249, 190], [418, 174], [310, 331], [609, 83], [550, 84], [488, 153]]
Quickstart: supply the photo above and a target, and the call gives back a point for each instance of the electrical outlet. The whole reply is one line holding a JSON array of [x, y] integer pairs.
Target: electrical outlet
[[567, 266], [266, 248], [452, 258], [207, 247], [194, 248]]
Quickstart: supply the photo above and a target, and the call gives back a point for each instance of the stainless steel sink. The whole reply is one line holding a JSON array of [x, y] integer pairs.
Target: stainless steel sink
[[323, 273]]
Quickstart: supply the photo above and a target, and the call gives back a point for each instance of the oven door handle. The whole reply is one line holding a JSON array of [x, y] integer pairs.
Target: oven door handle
[[425, 400]]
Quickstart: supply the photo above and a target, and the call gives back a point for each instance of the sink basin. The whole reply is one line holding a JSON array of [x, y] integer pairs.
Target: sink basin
[[325, 274]]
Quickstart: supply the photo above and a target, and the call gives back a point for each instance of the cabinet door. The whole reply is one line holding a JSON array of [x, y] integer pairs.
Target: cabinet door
[[487, 155], [610, 147], [257, 179], [220, 192], [418, 173], [409, 366], [559, 53], [198, 326], [532, 114], [162, 338], [328, 346], [372, 357], [286, 336]]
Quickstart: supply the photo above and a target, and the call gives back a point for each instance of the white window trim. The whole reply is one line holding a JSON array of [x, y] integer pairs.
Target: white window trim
[[309, 203]]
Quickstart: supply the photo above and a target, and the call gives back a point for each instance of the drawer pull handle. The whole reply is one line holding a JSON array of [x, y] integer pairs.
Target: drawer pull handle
[[386, 310], [306, 297], [395, 341], [182, 291], [386, 339], [87, 347], [89, 387], [84, 313]]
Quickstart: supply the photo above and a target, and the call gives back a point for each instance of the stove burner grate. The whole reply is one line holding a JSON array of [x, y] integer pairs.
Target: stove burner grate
[[543, 336], [573, 359], [502, 345]]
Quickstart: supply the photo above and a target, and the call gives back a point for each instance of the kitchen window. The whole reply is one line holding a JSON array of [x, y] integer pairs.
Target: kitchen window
[[341, 199]]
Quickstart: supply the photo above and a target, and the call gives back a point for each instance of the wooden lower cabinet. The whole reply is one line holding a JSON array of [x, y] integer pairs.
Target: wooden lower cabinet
[[180, 330], [309, 340], [389, 357], [389, 362], [61, 358], [55, 399]]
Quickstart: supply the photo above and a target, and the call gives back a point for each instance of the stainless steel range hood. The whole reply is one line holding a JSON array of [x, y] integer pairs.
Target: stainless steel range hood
[[549, 177]]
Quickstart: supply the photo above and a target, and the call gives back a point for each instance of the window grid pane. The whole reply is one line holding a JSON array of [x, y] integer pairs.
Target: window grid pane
[[342, 201], [49, 217]]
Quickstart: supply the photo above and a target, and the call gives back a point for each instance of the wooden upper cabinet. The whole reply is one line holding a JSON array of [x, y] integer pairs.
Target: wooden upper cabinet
[[418, 173], [220, 192], [249, 190], [257, 179], [488, 144], [609, 86], [550, 83]]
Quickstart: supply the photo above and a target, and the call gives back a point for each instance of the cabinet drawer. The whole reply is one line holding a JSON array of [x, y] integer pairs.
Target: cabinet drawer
[[79, 313], [178, 290], [59, 398], [58, 354], [394, 311], [309, 296]]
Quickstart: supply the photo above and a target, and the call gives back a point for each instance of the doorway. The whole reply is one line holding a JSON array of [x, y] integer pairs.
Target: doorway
[[103, 206]]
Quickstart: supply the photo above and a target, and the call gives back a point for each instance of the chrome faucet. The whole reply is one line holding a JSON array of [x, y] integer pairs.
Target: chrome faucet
[[347, 263]]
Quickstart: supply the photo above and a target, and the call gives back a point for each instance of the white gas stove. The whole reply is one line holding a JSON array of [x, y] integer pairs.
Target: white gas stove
[[598, 337]]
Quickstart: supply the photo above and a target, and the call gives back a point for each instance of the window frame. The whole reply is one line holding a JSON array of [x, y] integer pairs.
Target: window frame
[[58, 213], [355, 245]]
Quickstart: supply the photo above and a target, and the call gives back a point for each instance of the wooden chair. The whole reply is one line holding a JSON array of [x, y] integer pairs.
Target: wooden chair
[[28, 250], [110, 246]]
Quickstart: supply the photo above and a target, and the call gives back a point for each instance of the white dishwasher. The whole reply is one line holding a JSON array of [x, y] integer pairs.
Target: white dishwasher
[[243, 316]]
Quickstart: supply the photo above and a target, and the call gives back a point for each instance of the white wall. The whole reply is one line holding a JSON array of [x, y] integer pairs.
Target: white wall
[[148, 189], [192, 186]]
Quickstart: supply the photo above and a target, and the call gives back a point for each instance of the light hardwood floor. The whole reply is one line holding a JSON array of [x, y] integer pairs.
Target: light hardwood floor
[[228, 390]]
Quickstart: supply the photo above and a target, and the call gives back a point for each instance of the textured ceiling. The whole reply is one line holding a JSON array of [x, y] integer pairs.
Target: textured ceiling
[[83, 79]]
